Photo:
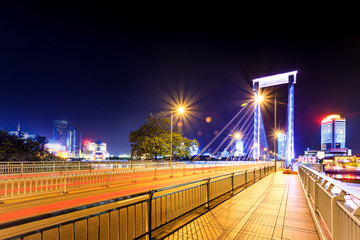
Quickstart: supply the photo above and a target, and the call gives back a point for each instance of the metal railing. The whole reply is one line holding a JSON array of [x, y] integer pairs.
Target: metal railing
[[22, 186], [319, 167], [333, 202], [20, 168], [131, 217]]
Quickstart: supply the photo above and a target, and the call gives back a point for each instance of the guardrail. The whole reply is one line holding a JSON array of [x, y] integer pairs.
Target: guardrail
[[52, 167], [132, 217], [22, 186], [333, 202]]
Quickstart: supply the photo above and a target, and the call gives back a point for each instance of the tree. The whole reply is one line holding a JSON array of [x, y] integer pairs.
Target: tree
[[17, 148], [152, 140]]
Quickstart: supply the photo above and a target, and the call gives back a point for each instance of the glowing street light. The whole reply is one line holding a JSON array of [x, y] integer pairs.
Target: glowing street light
[[237, 135], [259, 98], [181, 110]]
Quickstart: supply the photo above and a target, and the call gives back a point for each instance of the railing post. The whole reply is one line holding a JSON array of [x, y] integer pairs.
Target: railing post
[[208, 193], [22, 169], [151, 193], [336, 216], [171, 172], [134, 177], [245, 178], [64, 184], [232, 183], [155, 177]]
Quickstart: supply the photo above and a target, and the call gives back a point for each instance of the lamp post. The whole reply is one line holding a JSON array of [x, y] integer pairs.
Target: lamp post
[[276, 133], [180, 110]]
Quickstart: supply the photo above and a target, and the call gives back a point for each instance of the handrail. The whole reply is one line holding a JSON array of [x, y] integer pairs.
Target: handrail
[[337, 183], [335, 216]]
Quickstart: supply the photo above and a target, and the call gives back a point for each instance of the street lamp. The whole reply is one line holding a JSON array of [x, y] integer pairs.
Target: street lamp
[[180, 110], [277, 135]]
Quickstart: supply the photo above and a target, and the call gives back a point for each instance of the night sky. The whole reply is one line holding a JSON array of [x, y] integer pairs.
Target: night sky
[[106, 68]]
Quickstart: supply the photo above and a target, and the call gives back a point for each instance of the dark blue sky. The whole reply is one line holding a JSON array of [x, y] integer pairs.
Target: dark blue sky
[[105, 68]]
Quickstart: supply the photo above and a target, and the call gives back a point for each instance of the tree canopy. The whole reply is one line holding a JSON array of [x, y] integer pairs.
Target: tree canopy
[[17, 148], [152, 140]]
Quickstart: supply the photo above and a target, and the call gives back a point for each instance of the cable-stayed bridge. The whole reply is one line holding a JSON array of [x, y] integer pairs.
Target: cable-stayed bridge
[[244, 136]]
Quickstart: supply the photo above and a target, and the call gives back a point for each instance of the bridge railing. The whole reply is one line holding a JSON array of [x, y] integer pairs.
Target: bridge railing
[[11, 187], [19, 168], [335, 203], [131, 217]]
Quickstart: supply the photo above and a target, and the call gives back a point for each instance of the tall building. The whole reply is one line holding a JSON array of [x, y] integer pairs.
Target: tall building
[[281, 143], [60, 129], [72, 141], [333, 132]]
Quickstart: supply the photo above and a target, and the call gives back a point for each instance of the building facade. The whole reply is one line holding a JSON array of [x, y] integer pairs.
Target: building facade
[[60, 129], [333, 132], [72, 142], [95, 150]]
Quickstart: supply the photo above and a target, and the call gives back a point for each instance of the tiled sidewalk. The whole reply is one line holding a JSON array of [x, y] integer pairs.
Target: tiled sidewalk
[[273, 208]]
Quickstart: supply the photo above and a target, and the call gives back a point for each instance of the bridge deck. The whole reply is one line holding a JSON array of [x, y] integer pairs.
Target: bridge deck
[[273, 208]]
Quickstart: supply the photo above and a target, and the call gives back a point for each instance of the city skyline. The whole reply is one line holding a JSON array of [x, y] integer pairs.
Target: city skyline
[[106, 73]]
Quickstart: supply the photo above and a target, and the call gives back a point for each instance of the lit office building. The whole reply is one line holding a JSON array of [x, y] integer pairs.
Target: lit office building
[[333, 132], [281, 142], [72, 142], [95, 150], [60, 129]]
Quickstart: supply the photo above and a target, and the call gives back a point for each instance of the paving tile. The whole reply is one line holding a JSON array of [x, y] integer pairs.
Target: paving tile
[[299, 235], [300, 224], [273, 208]]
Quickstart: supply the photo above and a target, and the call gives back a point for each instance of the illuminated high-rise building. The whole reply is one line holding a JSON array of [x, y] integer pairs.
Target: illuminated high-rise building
[[60, 129], [72, 141], [333, 132]]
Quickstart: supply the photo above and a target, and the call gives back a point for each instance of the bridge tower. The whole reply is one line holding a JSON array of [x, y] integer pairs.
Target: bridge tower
[[274, 80]]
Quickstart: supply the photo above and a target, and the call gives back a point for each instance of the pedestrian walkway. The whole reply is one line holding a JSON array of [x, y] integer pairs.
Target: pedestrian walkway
[[273, 208]]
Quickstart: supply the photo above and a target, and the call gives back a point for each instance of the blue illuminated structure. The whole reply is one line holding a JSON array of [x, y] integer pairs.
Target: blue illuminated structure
[[278, 79]]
